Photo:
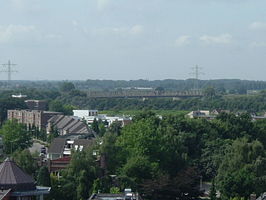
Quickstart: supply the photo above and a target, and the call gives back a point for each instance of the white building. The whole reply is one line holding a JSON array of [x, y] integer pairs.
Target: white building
[[90, 115], [82, 113]]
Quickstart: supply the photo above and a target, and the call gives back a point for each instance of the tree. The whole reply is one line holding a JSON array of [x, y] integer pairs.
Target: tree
[[95, 126], [240, 172], [209, 92], [116, 127], [43, 178], [15, 136], [58, 106], [213, 191], [26, 161], [8, 104], [67, 87], [79, 176]]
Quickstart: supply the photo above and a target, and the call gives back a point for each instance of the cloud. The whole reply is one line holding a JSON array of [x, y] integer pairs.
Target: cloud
[[74, 22], [219, 39], [258, 44], [53, 36], [102, 4], [132, 30], [258, 26], [15, 32], [182, 40], [136, 29], [26, 5]]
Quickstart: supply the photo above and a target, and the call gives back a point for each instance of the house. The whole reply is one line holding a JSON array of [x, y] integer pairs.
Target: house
[[62, 147], [199, 114], [66, 125], [127, 195], [15, 184], [219, 111], [55, 166]]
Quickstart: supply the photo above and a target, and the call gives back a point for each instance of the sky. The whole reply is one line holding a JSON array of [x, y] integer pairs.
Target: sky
[[133, 39]]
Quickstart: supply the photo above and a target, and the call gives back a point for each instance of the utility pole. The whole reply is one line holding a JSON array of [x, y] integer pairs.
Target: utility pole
[[196, 73], [8, 70]]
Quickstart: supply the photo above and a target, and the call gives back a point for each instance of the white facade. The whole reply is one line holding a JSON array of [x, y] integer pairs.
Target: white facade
[[90, 115], [85, 113]]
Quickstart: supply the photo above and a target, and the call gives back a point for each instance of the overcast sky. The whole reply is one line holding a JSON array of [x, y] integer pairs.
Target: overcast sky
[[133, 39]]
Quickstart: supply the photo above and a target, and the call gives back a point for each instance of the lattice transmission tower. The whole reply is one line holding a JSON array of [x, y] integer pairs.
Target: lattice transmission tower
[[196, 72], [8, 69]]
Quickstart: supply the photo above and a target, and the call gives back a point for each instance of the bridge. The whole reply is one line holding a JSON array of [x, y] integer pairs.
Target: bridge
[[145, 94]]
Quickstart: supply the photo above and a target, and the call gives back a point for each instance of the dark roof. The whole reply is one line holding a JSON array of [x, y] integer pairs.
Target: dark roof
[[106, 196], [70, 125], [57, 145], [83, 142], [12, 177]]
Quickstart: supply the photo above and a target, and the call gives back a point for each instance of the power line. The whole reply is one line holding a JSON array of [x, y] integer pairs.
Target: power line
[[8, 70], [197, 71]]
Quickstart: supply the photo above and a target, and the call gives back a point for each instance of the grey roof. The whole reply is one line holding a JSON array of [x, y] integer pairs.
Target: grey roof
[[106, 196], [83, 142], [12, 177], [57, 146], [73, 123], [55, 118], [70, 124], [64, 122]]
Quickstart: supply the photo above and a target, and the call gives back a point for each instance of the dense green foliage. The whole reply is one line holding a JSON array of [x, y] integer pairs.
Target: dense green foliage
[[231, 85], [165, 158], [26, 161], [43, 177], [9, 104], [15, 136], [65, 96]]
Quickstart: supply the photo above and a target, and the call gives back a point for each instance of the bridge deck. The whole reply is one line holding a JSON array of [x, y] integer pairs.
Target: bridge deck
[[139, 94]]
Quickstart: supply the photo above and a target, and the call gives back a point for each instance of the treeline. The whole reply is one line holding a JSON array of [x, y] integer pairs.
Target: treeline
[[165, 159], [227, 85], [67, 97], [256, 103]]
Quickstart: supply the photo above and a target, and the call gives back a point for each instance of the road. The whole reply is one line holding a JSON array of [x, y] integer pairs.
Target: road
[[36, 147]]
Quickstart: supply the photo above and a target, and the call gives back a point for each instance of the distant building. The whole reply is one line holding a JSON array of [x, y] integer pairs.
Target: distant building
[[199, 114], [15, 184], [82, 113], [18, 96], [36, 104], [206, 114], [90, 115], [31, 118]]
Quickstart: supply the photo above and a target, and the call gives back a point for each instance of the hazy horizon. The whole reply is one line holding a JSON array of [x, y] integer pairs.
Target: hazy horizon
[[131, 40]]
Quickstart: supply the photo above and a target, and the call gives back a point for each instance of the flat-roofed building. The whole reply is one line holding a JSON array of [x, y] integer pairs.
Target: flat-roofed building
[[31, 118]]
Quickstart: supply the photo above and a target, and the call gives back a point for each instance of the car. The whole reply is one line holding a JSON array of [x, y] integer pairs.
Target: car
[[43, 150]]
